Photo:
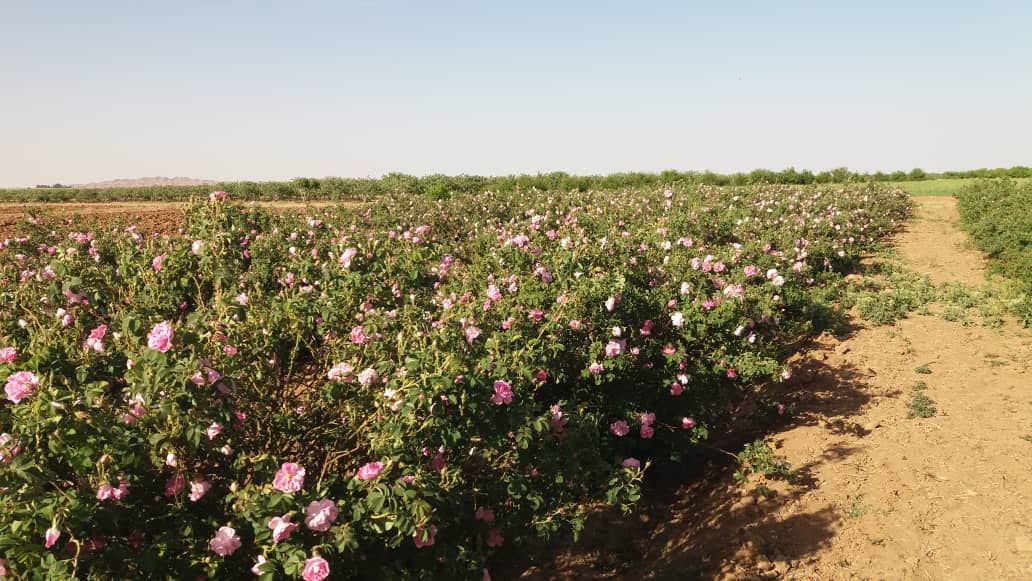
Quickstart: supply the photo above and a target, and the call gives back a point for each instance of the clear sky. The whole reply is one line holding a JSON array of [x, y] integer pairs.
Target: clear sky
[[249, 89]]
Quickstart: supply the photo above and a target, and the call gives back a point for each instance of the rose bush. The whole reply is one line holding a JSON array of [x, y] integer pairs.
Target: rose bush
[[409, 390]]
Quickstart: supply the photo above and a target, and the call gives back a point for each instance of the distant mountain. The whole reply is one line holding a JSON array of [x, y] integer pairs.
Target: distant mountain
[[143, 182]]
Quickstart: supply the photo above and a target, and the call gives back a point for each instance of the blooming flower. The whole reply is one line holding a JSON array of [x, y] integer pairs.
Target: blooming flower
[[257, 570], [95, 340], [687, 423], [156, 263], [677, 319], [630, 463], [225, 542], [614, 348], [173, 486], [281, 527], [358, 335], [368, 377], [338, 371], [198, 488], [213, 430], [217, 196], [8, 354], [160, 337], [21, 385], [316, 569], [596, 368], [619, 428], [424, 537], [370, 470], [320, 514], [289, 478], [502, 393]]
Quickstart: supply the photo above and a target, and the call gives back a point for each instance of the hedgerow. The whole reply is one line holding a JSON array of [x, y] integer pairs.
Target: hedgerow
[[408, 390], [438, 185]]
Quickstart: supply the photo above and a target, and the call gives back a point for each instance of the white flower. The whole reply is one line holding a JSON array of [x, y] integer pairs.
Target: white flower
[[677, 319]]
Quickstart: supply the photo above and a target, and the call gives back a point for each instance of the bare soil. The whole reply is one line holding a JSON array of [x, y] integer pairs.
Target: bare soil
[[879, 495]]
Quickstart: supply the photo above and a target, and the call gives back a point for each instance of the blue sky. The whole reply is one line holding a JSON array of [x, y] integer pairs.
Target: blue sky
[[234, 89]]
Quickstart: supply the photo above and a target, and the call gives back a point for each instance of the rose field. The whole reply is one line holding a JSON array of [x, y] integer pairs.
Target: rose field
[[418, 387]]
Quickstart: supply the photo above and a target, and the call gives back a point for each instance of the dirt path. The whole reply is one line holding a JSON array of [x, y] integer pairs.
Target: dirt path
[[880, 495]]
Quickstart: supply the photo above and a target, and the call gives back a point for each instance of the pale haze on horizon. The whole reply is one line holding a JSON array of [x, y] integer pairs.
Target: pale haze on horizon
[[232, 90]]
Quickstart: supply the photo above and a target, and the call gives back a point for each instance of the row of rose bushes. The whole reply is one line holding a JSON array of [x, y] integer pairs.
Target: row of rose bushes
[[412, 390], [998, 215]]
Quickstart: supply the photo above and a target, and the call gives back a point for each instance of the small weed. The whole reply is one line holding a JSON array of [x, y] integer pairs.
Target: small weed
[[759, 458], [921, 406], [920, 384], [857, 509], [1027, 438], [923, 369]]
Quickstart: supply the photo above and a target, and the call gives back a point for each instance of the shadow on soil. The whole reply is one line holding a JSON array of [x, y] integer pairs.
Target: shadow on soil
[[696, 521]]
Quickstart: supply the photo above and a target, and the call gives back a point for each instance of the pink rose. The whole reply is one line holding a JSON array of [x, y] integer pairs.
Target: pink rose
[[316, 569], [281, 527], [225, 542], [320, 514], [619, 428], [21, 385], [502, 393], [95, 340], [484, 514], [8, 354], [160, 337], [213, 430], [370, 471], [173, 486], [339, 371], [289, 478], [257, 570], [217, 196], [631, 463], [614, 348], [347, 256], [156, 263], [687, 423], [368, 377], [424, 537], [198, 488]]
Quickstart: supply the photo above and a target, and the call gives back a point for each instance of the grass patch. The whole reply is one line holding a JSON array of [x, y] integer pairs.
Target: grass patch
[[923, 369]]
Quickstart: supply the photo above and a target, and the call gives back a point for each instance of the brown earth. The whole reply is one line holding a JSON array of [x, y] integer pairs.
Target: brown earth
[[879, 495], [148, 216]]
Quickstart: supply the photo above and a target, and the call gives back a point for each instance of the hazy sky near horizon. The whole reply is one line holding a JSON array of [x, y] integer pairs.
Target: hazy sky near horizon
[[249, 89]]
